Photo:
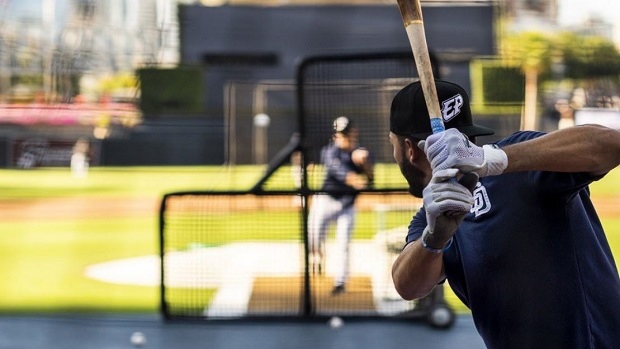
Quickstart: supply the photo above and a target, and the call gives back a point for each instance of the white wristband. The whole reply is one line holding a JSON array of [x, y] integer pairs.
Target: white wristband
[[495, 160]]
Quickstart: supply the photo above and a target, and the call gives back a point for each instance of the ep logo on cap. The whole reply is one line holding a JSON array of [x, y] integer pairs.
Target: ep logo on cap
[[451, 107]]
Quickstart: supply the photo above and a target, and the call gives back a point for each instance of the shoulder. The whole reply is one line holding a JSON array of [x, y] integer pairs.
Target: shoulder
[[330, 150]]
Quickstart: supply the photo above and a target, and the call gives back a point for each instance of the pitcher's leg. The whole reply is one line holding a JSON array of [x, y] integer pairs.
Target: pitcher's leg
[[318, 224], [344, 229]]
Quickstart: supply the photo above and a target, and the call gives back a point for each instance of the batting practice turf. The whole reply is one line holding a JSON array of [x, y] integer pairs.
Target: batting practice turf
[[56, 229]]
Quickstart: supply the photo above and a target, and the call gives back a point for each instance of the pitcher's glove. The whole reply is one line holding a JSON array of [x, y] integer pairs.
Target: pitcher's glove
[[360, 157], [452, 149]]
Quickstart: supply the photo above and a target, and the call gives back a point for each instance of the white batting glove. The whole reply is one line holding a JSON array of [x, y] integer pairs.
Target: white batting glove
[[452, 149], [446, 202]]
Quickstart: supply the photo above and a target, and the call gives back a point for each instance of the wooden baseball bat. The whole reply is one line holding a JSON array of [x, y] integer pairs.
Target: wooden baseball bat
[[411, 12]]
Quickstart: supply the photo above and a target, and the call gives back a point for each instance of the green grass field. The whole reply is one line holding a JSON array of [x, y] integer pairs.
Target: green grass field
[[43, 257]]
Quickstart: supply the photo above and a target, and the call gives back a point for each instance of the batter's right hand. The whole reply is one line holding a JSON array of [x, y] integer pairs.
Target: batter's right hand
[[452, 149], [446, 202]]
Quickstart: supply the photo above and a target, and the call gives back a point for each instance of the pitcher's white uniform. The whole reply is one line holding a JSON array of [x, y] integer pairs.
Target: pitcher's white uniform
[[336, 202]]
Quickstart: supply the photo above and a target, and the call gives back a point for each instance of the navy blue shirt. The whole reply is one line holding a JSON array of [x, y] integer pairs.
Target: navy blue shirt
[[532, 262], [338, 163]]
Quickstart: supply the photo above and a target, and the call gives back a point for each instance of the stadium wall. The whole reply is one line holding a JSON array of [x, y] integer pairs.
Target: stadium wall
[[248, 45], [247, 59]]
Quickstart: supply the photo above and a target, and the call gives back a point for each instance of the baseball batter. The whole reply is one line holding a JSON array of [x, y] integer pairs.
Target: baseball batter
[[522, 247], [348, 169]]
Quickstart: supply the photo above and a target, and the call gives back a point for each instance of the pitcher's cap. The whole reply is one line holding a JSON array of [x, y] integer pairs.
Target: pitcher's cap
[[409, 115], [343, 125]]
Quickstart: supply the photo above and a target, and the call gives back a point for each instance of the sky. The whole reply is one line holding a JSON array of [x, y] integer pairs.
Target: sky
[[570, 11], [576, 11]]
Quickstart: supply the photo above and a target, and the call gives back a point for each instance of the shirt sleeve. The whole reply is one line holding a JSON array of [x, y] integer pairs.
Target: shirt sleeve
[[416, 226]]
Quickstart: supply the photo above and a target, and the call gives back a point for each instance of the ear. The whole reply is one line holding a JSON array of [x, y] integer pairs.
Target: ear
[[412, 151]]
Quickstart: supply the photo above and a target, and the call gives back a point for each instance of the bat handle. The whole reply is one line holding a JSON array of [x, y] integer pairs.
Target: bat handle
[[437, 125]]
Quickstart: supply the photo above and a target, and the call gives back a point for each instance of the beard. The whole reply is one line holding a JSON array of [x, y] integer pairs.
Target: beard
[[414, 177]]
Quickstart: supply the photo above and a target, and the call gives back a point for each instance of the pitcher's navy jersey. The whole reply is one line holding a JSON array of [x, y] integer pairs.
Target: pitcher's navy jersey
[[337, 164], [532, 262]]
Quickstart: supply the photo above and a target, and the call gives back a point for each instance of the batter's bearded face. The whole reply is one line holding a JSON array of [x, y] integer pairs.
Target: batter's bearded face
[[413, 175]]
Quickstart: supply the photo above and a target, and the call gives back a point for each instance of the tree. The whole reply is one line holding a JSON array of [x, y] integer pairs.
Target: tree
[[588, 57], [532, 51], [538, 54]]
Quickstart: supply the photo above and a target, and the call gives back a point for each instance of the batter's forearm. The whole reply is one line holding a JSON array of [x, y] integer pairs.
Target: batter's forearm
[[417, 271], [589, 148]]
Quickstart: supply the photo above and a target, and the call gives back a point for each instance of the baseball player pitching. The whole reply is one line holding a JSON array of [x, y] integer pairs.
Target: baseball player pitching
[[348, 169]]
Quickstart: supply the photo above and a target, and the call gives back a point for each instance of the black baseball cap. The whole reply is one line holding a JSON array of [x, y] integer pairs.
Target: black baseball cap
[[409, 115], [342, 124]]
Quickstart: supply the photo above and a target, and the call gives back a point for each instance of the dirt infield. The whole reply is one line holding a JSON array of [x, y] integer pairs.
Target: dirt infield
[[608, 207], [107, 207], [76, 208], [283, 294]]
